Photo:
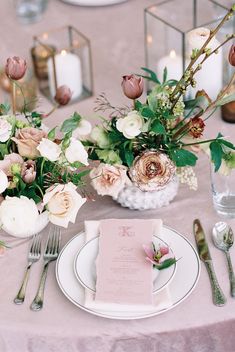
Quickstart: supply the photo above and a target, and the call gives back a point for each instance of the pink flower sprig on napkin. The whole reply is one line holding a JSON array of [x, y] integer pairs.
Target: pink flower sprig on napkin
[[160, 257]]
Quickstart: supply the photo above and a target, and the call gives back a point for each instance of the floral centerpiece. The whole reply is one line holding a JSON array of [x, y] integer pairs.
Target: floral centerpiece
[[146, 149], [39, 173]]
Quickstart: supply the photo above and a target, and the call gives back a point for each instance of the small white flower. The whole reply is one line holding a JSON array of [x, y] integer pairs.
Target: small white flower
[[76, 152], [63, 203], [49, 149], [3, 181], [83, 130], [5, 129], [130, 125], [18, 215]]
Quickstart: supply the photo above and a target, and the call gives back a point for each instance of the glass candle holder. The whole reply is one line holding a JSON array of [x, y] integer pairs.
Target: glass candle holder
[[173, 28], [63, 57]]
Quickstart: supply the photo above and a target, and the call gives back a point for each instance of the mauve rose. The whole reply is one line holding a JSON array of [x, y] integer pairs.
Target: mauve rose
[[27, 140], [15, 67], [152, 171], [132, 86], [231, 55], [28, 172], [8, 161], [63, 95]]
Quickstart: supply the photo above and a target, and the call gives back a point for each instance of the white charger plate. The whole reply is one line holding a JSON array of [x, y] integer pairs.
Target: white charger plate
[[85, 268], [183, 284], [93, 2]]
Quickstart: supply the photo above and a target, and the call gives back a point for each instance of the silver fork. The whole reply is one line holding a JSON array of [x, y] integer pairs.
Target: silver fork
[[33, 256], [50, 254]]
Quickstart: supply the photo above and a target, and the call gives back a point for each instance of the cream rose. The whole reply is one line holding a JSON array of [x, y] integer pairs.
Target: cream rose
[[49, 149], [130, 125], [63, 203], [109, 179], [76, 152], [5, 129], [152, 171], [27, 140], [3, 181], [100, 136], [18, 215]]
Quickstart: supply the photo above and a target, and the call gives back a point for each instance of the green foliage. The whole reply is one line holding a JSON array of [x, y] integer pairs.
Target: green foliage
[[157, 127], [183, 157], [71, 124], [216, 154]]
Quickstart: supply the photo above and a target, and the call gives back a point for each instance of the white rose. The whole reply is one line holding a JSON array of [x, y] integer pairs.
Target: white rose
[[76, 152], [130, 125], [3, 181], [18, 215], [5, 129], [63, 203], [49, 149], [109, 179], [83, 130], [100, 136]]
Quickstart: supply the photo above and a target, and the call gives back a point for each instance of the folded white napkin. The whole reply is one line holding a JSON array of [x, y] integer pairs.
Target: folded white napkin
[[161, 300]]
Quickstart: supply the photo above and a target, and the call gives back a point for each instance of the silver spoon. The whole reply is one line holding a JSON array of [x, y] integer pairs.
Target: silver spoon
[[222, 235]]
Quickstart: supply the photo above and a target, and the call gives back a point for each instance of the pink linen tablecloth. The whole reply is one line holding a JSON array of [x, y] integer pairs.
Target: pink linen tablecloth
[[196, 325]]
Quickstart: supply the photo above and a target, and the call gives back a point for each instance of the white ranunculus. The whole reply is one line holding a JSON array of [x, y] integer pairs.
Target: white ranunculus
[[83, 130], [100, 136], [3, 181], [63, 203], [76, 152], [130, 125], [49, 149], [5, 129], [18, 215]]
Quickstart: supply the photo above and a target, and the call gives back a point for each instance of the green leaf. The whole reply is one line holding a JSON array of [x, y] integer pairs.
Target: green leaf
[[226, 143], [138, 105], [226, 100], [147, 112], [158, 128], [129, 157], [200, 102], [109, 156], [216, 154], [166, 264], [66, 140], [71, 124], [171, 82], [51, 134], [165, 75], [152, 75], [183, 157], [3, 149]]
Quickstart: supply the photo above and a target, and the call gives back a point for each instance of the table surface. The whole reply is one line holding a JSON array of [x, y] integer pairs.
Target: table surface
[[196, 324]]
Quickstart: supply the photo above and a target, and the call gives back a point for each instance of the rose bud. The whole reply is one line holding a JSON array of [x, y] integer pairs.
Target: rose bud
[[29, 171], [132, 86], [15, 67], [63, 95], [231, 55]]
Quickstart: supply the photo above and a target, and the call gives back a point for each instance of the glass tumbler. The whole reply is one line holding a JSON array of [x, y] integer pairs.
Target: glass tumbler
[[223, 192], [29, 11]]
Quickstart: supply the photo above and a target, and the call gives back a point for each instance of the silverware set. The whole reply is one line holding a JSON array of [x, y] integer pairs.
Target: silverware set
[[222, 236], [50, 254]]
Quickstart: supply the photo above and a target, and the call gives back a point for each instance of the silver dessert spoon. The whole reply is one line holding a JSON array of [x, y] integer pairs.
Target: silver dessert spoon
[[223, 239]]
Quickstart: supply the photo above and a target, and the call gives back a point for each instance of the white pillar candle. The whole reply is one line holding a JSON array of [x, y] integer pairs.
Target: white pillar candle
[[210, 77], [68, 72], [174, 65]]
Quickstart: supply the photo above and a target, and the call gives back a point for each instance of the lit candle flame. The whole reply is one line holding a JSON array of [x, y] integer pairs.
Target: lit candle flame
[[63, 52], [172, 54], [149, 39]]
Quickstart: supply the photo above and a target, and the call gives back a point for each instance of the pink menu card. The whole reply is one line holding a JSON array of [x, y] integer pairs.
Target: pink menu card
[[124, 276]]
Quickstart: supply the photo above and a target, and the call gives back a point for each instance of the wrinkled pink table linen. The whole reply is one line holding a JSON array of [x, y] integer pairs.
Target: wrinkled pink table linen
[[196, 325]]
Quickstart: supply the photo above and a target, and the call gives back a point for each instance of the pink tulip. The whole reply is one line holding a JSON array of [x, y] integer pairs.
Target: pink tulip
[[15, 67], [132, 86], [63, 95]]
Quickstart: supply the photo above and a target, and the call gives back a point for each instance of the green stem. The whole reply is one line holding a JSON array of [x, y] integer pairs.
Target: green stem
[[40, 190], [196, 143]]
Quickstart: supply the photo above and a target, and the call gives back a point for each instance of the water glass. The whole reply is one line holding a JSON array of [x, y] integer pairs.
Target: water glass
[[223, 192], [29, 11]]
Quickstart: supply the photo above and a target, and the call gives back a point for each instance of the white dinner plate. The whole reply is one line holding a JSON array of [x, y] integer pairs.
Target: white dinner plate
[[93, 2], [184, 282], [85, 268]]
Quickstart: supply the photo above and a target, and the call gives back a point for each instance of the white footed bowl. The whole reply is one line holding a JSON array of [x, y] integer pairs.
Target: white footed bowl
[[41, 223], [132, 197]]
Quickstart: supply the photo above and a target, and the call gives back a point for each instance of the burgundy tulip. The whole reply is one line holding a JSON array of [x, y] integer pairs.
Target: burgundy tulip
[[132, 86], [15, 67], [63, 95], [231, 55]]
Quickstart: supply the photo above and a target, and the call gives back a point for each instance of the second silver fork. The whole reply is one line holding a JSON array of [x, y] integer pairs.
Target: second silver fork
[[33, 256], [51, 253]]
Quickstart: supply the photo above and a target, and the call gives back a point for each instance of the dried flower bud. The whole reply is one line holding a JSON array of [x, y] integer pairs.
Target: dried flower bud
[[197, 127], [15, 67], [231, 55], [132, 86], [203, 93], [63, 95]]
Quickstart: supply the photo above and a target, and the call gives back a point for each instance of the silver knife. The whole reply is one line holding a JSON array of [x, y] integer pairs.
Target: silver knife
[[204, 254]]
